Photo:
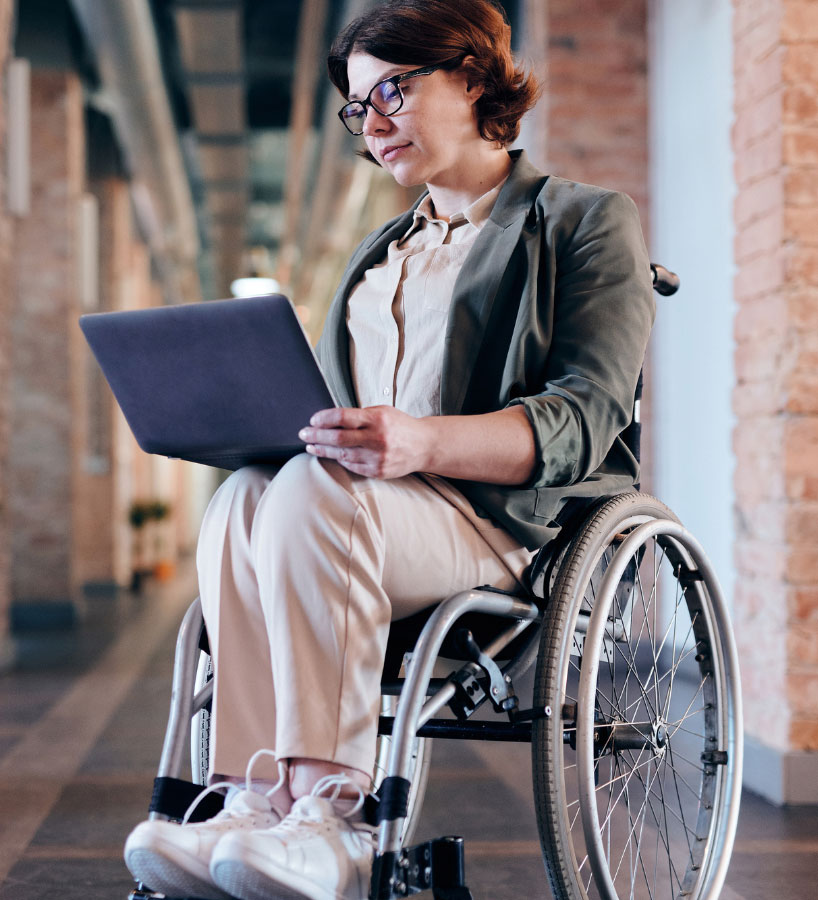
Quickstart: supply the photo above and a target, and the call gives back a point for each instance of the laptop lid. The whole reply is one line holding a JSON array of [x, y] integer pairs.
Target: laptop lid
[[225, 383]]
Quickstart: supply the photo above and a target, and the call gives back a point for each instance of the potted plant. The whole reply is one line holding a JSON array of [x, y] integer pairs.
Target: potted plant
[[138, 517], [149, 546], [163, 567]]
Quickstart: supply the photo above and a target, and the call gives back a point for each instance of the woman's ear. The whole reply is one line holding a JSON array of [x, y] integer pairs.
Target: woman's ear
[[474, 84]]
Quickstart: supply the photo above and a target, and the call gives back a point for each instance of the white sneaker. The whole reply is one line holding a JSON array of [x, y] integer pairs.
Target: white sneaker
[[174, 858], [315, 853]]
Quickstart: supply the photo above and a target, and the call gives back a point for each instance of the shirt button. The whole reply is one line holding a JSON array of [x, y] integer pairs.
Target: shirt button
[[386, 392]]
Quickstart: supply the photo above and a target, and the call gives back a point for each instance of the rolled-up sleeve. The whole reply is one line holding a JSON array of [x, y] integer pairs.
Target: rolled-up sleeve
[[603, 314]]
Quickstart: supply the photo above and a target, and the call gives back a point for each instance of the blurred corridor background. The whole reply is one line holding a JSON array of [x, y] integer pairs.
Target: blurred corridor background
[[160, 151]]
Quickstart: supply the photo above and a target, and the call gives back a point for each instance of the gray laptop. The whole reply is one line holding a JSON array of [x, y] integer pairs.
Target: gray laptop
[[225, 383]]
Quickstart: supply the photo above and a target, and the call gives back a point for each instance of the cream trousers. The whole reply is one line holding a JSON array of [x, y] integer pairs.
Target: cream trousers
[[301, 570]]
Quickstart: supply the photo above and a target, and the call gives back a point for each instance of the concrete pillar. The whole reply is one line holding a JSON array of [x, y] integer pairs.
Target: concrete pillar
[[776, 399], [100, 514], [6, 237], [47, 413]]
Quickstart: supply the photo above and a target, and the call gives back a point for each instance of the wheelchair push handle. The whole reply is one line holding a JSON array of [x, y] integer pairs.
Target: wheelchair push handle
[[665, 282]]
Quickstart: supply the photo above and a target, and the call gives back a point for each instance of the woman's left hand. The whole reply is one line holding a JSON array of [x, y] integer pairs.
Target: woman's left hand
[[378, 441]]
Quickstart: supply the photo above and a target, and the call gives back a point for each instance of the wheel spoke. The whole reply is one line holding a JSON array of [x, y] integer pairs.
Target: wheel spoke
[[660, 799], [646, 620], [656, 652], [697, 734], [690, 762], [687, 831], [671, 867], [692, 701], [627, 778], [629, 846], [631, 664], [670, 673], [674, 668], [667, 631], [665, 838], [677, 774]]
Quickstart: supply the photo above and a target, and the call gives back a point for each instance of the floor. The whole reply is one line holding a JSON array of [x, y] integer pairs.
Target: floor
[[81, 723]]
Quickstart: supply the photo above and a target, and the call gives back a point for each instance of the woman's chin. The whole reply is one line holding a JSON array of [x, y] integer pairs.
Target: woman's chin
[[406, 175]]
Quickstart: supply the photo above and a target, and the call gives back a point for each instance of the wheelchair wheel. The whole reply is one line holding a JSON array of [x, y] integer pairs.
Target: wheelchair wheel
[[637, 772], [200, 726]]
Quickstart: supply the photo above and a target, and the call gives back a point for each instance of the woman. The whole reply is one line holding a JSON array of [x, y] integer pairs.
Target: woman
[[490, 338]]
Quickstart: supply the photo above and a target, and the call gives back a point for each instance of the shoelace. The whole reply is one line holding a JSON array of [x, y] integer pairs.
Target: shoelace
[[332, 785], [329, 787], [248, 781]]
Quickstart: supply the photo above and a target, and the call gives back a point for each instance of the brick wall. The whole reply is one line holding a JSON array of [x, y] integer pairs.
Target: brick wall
[[6, 11], [776, 399], [597, 94], [593, 115], [46, 345]]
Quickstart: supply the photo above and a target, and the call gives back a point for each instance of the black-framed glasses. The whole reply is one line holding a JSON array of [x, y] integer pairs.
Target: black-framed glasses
[[385, 98]]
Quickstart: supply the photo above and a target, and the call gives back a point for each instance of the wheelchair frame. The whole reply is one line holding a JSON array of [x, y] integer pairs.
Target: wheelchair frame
[[589, 597]]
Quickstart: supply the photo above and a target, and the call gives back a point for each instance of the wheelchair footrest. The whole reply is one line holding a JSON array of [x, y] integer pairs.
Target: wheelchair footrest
[[437, 866]]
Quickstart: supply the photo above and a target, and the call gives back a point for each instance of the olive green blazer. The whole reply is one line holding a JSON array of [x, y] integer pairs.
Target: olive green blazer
[[552, 309]]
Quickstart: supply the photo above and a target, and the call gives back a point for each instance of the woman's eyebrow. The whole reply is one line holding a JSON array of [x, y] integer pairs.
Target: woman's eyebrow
[[389, 74]]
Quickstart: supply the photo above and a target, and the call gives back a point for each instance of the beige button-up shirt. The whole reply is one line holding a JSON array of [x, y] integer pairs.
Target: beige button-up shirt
[[396, 318], [397, 313]]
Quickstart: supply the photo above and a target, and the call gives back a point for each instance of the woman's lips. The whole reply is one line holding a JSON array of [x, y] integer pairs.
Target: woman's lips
[[393, 152]]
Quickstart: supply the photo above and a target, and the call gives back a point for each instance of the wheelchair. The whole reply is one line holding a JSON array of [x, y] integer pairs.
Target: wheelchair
[[635, 721]]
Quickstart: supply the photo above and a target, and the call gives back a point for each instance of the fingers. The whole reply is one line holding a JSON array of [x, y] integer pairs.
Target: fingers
[[341, 454], [349, 427], [344, 417], [357, 460], [334, 437], [358, 439]]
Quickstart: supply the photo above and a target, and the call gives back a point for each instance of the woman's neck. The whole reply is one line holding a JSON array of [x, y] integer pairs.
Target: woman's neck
[[478, 175]]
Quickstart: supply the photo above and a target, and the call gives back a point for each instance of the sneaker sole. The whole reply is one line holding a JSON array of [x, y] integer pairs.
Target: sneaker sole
[[241, 878], [250, 884], [162, 874]]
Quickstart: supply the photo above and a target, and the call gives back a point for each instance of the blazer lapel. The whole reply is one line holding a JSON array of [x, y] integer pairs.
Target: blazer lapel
[[475, 291]]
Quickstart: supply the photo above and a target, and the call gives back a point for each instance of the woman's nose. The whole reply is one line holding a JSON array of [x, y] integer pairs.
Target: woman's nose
[[375, 122]]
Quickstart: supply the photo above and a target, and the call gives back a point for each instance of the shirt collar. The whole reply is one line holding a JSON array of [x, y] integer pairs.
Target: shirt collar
[[476, 214], [479, 211]]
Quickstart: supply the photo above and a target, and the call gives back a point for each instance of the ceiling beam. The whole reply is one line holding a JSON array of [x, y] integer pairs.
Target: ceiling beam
[[311, 25], [122, 37], [210, 40], [211, 49]]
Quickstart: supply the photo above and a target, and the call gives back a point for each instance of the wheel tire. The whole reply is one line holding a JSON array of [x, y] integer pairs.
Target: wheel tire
[[573, 850]]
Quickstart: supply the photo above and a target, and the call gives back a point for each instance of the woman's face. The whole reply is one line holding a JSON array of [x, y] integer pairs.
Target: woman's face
[[426, 141]]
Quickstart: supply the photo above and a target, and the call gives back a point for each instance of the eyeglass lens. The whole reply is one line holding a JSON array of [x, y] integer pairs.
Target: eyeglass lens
[[384, 98]]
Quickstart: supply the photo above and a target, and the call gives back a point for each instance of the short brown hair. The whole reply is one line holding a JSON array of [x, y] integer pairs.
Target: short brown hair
[[428, 32]]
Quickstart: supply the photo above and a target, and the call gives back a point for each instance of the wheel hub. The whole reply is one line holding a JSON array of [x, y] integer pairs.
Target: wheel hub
[[619, 735], [660, 735]]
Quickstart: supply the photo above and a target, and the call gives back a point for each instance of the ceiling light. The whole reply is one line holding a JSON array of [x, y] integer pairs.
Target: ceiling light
[[254, 287]]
